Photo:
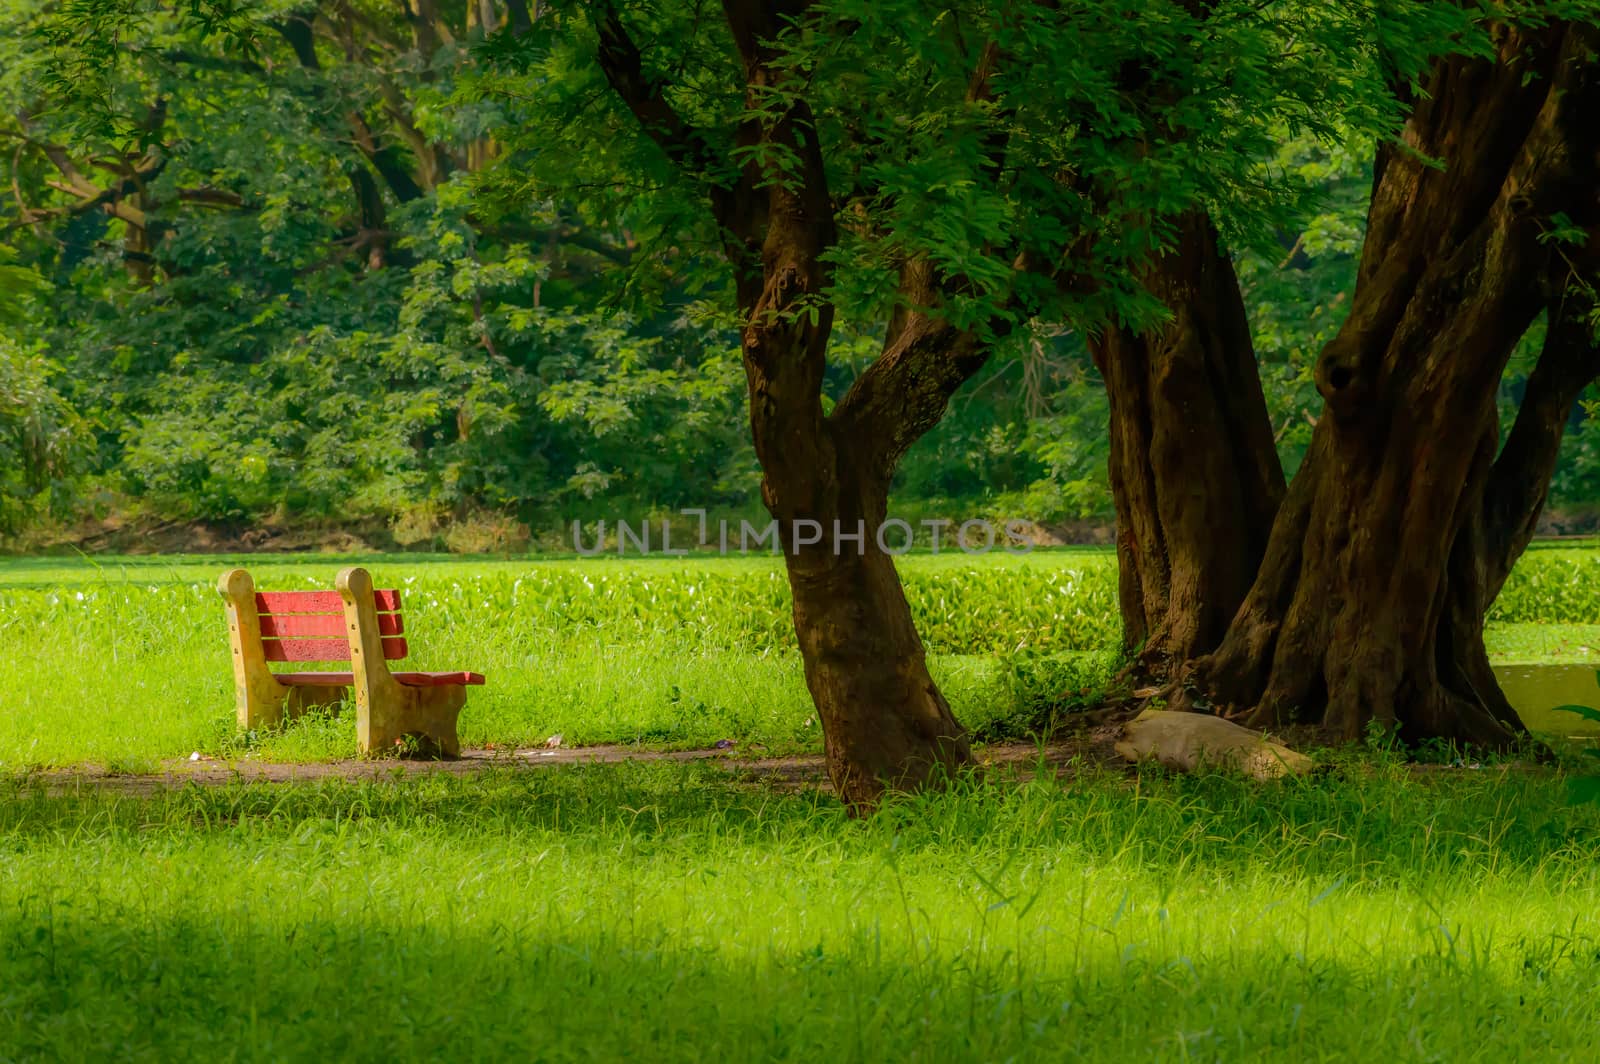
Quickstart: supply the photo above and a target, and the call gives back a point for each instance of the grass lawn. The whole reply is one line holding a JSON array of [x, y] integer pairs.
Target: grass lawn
[[668, 912], [671, 911], [124, 661]]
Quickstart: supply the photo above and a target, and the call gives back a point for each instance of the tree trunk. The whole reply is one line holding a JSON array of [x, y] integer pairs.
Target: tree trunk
[[885, 723], [1369, 605], [1520, 481], [1366, 608], [1194, 472]]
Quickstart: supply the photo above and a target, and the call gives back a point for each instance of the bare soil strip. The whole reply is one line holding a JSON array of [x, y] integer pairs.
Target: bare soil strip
[[803, 770]]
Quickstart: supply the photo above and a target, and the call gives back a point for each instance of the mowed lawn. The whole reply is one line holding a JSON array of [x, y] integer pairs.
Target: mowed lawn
[[124, 661]]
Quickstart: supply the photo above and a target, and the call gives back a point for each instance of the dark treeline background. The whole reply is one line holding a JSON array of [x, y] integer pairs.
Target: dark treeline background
[[294, 294]]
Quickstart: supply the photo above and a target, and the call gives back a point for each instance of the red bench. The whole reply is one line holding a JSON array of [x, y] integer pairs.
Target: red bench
[[356, 624]]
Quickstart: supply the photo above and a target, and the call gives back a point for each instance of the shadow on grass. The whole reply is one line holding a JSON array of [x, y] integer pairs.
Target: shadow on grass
[[665, 912], [81, 984]]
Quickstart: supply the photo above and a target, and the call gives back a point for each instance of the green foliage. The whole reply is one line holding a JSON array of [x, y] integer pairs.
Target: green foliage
[[1553, 586], [446, 272], [976, 607], [268, 341], [1584, 788], [42, 438], [1152, 112]]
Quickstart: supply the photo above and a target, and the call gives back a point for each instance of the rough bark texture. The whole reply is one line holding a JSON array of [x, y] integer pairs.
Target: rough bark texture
[[1194, 473], [885, 722], [1399, 527]]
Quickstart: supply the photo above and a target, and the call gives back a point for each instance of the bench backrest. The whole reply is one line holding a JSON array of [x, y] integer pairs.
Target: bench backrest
[[310, 625]]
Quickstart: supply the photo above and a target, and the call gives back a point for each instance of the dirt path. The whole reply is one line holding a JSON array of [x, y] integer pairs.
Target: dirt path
[[805, 770]]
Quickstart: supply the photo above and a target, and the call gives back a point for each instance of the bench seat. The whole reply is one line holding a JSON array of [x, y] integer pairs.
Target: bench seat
[[409, 679]]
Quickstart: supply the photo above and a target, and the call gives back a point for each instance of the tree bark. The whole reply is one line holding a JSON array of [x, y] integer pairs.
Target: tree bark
[[1193, 469], [1520, 480], [1395, 535], [885, 723]]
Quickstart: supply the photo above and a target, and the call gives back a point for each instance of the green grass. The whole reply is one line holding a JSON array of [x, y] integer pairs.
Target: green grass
[[673, 912], [123, 661], [664, 912]]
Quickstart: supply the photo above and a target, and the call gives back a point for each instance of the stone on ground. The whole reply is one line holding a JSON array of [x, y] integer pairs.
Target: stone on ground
[[1187, 742]]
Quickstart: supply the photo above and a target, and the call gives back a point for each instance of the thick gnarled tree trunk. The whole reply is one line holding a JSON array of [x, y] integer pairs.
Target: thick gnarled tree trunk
[[1399, 528], [1194, 473]]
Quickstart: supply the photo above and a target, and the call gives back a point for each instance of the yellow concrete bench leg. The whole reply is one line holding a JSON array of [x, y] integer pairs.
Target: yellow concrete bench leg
[[260, 700], [388, 711]]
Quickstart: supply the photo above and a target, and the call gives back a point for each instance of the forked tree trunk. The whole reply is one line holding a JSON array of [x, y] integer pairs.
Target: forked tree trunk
[[884, 722], [1398, 529], [1194, 473]]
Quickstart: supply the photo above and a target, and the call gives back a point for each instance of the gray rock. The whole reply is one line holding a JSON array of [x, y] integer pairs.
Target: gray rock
[[1187, 741]]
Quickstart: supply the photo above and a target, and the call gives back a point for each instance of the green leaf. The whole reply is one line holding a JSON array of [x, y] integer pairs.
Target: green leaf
[[1586, 712]]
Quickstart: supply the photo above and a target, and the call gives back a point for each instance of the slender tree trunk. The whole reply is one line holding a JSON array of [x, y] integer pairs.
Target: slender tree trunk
[[826, 481], [1520, 480], [1396, 533], [1193, 469]]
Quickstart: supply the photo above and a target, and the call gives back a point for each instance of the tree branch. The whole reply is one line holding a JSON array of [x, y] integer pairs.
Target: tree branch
[[512, 229], [645, 97], [90, 195], [521, 19], [297, 30], [925, 359], [1519, 482]]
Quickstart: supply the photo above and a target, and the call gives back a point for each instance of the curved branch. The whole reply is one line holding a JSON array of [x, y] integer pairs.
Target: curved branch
[[623, 65], [1519, 483], [904, 393]]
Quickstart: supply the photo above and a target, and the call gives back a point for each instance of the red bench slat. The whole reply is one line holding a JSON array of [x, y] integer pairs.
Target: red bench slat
[[410, 679], [314, 679], [394, 648], [318, 601], [288, 625]]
